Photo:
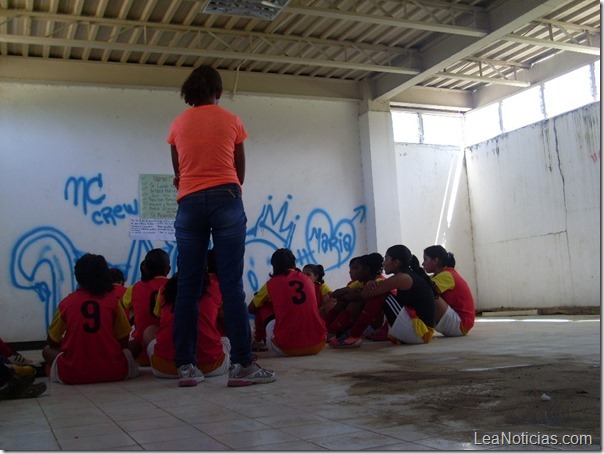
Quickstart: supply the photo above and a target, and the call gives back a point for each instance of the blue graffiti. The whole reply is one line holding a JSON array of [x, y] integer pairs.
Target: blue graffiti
[[80, 189], [327, 243], [274, 224], [43, 259], [331, 244]]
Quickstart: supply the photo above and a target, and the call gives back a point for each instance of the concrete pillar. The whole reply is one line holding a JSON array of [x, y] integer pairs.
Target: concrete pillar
[[379, 177]]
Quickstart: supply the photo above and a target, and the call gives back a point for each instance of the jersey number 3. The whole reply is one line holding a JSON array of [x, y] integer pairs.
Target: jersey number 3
[[300, 296]]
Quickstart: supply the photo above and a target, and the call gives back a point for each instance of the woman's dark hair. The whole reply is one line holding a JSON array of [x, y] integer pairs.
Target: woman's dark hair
[[317, 270], [438, 252], [409, 261], [282, 261], [156, 263], [117, 276], [169, 290], [203, 83], [92, 274], [374, 262]]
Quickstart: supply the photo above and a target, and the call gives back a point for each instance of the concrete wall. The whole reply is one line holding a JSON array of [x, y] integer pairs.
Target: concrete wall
[[433, 193], [526, 233], [535, 204], [303, 187]]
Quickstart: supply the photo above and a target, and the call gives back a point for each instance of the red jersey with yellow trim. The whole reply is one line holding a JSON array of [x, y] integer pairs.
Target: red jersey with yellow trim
[[456, 292], [120, 290], [320, 291], [89, 328], [209, 347], [297, 321], [140, 298]]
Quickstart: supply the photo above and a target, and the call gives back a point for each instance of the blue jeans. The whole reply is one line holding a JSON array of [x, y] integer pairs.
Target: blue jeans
[[219, 212]]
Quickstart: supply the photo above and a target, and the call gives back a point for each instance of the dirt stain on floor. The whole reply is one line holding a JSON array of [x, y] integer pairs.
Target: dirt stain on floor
[[489, 392]]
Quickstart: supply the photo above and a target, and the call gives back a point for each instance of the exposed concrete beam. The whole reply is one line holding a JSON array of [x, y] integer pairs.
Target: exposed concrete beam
[[433, 99], [20, 69], [541, 72], [504, 18]]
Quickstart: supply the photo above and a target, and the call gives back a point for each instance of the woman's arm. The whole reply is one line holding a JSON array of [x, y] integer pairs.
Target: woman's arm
[[175, 166], [398, 281], [240, 161]]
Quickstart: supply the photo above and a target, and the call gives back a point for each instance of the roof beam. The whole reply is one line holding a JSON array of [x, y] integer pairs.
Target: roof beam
[[504, 18], [551, 44], [388, 21], [541, 72], [47, 71], [198, 52]]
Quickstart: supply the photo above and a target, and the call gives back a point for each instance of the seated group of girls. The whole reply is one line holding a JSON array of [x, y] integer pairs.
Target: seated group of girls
[[407, 307], [91, 338]]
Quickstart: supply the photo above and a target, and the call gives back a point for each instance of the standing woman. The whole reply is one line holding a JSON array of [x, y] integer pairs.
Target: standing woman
[[410, 311], [208, 157], [455, 308]]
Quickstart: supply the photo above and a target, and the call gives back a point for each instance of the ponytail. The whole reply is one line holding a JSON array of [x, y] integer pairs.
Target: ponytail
[[416, 267]]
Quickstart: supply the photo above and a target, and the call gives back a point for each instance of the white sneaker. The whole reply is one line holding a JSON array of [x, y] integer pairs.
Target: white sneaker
[[19, 360], [189, 375], [251, 375]]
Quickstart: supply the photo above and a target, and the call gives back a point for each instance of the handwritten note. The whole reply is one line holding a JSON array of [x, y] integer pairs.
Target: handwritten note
[[152, 229], [157, 196]]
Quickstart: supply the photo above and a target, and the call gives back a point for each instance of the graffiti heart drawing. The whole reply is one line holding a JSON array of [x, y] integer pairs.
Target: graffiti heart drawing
[[329, 244]]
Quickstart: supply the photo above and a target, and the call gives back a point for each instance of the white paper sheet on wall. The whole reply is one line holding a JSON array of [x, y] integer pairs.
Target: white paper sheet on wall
[[158, 196], [158, 208], [152, 229]]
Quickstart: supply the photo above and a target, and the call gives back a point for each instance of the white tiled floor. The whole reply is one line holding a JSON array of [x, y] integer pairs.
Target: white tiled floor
[[313, 406]]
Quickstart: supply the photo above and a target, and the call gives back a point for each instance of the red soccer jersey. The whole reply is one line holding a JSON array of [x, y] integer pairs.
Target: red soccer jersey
[[298, 324], [456, 292], [209, 347], [140, 298], [120, 290], [90, 328]]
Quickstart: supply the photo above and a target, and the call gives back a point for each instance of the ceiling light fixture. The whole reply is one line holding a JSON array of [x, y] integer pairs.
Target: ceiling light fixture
[[262, 9]]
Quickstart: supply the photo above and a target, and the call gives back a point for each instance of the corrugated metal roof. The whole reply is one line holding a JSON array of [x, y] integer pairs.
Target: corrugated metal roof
[[378, 49]]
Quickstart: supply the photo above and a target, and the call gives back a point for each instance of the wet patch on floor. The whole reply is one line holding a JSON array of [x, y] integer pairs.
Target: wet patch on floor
[[559, 396]]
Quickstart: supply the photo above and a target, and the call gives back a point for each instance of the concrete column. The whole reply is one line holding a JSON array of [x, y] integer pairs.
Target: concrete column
[[380, 177]]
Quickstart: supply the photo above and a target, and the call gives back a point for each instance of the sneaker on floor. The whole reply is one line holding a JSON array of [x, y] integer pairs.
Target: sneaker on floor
[[189, 375], [22, 371], [346, 342], [250, 375], [380, 334], [16, 386], [259, 346], [29, 392], [19, 360]]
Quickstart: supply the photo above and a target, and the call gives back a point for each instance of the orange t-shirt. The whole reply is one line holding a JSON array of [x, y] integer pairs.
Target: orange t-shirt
[[205, 138]]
